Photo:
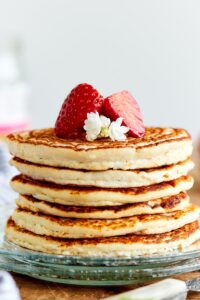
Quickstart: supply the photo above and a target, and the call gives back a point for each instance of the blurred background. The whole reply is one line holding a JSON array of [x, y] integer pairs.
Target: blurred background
[[151, 48]]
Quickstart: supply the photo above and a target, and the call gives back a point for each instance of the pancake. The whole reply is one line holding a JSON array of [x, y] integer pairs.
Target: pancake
[[159, 206], [158, 147], [107, 179], [90, 228], [91, 196], [123, 246]]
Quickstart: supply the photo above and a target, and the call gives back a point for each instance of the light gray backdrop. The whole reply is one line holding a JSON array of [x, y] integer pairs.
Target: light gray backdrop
[[151, 47]]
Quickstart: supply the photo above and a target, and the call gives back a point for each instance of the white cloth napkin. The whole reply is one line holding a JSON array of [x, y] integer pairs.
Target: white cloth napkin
[[8, 287]]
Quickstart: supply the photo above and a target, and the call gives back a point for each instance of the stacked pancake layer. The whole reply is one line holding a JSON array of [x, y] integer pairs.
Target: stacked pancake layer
[[103, 198]]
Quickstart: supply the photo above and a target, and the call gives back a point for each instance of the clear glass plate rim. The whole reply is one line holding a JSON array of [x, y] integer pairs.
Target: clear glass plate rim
[[188, 266], [20, 251]]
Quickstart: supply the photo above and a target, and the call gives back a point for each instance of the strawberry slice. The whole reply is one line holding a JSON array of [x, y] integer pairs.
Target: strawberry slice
[[83, 99], [123, 105]]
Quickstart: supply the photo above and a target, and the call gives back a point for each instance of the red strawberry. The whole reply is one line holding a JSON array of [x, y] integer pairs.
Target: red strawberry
[[84, 98], [123, 105]]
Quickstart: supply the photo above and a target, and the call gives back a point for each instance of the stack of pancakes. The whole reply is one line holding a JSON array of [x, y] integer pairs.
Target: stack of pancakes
[[103, 198]]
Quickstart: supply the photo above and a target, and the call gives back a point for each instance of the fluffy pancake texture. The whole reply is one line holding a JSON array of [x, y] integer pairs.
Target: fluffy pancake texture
[[158, 206], [158, 147], [108, 179], [88, 228], [103, 198], [93, 196], [123, 246]]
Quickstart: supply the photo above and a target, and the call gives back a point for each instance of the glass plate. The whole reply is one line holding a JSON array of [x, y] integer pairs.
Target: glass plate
[[94, 270], [95, 275], [11, 250]]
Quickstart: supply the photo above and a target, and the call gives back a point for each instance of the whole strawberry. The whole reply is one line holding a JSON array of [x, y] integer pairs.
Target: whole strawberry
[[83, 99], [123, 105]]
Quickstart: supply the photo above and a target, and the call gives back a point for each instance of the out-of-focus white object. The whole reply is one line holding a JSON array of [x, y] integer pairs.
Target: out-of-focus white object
[[165, 289], [7, 195], [8, 288]]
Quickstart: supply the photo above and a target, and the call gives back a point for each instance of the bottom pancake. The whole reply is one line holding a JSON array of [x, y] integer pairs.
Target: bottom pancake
[[158, 206], [124, 246], [91, 228]]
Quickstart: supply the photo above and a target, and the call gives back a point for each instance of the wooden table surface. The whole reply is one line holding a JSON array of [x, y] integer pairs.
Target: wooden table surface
[[32, 289]]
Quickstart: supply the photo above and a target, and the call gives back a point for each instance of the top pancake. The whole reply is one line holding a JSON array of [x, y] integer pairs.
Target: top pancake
[[158, 147]]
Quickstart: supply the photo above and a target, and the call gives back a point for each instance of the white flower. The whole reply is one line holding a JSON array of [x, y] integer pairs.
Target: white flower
[[100, 127], [116, 131], [96, 126], [92, 126]]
